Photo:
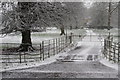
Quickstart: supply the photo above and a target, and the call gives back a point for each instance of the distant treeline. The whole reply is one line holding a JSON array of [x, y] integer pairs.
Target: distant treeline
[[100, 27]]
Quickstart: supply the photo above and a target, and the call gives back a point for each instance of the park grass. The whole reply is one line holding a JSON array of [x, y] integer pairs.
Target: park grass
[[78, 31], [37, 37], [56, 33], [113, 32]]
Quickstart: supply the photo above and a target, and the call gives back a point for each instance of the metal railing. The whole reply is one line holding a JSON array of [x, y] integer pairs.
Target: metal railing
[[111, 50], [43, 50]]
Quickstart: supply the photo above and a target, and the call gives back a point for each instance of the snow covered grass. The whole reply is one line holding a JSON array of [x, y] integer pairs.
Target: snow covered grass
[[103, 32], [113, 31], [109, 64], [37, 37], [52, 59]]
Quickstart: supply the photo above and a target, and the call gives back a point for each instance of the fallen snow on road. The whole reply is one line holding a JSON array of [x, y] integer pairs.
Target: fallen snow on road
[[86, 42], [109, 64], [38, 63]]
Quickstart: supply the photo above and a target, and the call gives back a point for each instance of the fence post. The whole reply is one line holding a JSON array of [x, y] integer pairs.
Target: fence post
[[66, 41], [118, 51], [40, 52], [104, 47], [49, 49], [109, 49], [63, 42], [56, 46], [43, 49], [71, 37], [80, 36], [114, 50], [59, 44]]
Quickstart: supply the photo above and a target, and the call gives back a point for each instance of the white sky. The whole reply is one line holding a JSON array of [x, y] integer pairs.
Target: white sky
[[88, 4]]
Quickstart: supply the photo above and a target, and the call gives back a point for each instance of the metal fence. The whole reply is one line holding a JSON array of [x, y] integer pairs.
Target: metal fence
[[42, 51], [111, 50]]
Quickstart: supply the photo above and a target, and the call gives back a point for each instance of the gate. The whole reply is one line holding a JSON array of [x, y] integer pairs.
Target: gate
[[87, 38]]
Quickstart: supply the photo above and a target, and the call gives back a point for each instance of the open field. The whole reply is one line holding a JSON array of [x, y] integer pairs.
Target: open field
[[37, 37], [113, 32]]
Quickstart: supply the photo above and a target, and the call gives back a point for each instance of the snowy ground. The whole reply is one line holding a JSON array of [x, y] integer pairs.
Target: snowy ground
[[37, 63], [82, 62], [103, 32], [37, 37]]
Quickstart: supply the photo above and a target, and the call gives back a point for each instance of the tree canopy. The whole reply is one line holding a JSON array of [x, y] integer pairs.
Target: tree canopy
[[99, 14], [26, 15]]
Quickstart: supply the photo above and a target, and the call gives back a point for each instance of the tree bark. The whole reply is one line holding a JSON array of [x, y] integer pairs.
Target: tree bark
[[62, 31], [26, 44]]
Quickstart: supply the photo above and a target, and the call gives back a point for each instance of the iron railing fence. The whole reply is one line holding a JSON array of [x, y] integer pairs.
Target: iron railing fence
[[43, 50], [111, 50]]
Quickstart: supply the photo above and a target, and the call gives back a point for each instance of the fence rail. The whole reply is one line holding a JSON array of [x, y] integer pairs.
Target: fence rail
[[111, 50], [42, 51]]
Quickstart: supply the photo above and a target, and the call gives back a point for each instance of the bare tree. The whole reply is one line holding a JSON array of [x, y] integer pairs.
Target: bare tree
[[101, 14]]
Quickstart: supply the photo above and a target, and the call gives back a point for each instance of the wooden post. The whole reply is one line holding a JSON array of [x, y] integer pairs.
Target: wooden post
[[40, 52], [66, 41], [109, 49], [49, 49], [63, 42], [71, 37], [114, 51], [56, 46], [109, 16], [118, 52], [59, 45], [104, 47], [43, 49]]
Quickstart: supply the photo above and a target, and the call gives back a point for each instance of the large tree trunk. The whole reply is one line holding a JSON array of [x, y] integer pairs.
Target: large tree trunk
[[62, 31], [26, 44]]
